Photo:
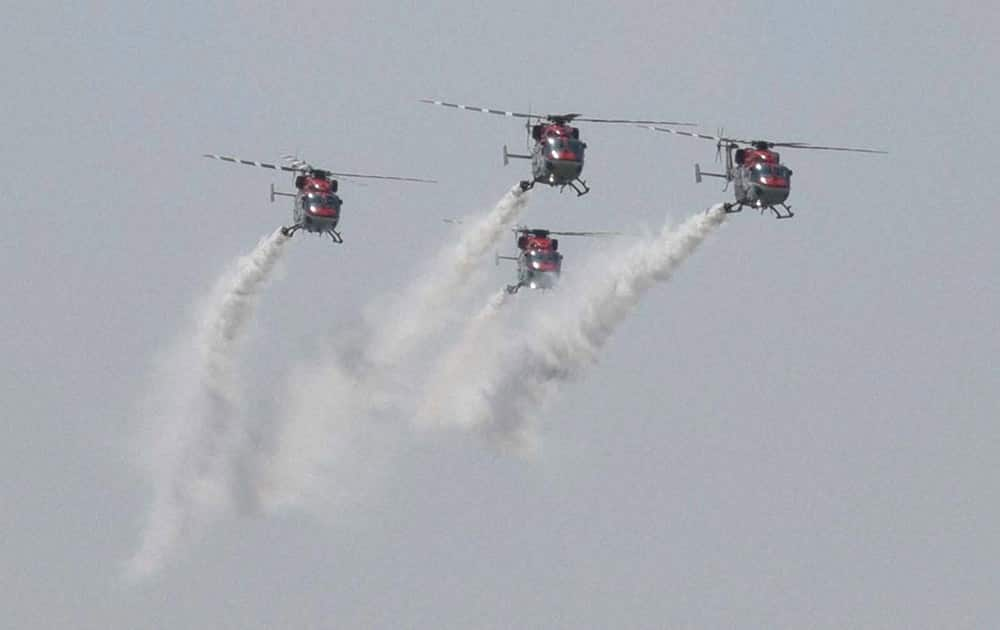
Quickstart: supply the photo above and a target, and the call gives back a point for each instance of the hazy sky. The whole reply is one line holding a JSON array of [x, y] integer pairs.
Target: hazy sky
[[799, 430]]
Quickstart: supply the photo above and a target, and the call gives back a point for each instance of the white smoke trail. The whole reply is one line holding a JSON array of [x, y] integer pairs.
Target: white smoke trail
[[443, 393], [502, 382], [492, 307], [335, 437], [341, 420], [192, 412], [418, 313]]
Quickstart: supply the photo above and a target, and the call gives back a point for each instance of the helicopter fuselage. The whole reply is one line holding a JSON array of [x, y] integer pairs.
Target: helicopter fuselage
[[539, 269], [759, 179], [317, 207], [557, 155], [538, 262]]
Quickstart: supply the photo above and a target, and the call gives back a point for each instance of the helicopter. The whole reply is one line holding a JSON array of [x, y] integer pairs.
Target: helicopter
[[539, 261], [556, 151], [759, 178], [317, 206]]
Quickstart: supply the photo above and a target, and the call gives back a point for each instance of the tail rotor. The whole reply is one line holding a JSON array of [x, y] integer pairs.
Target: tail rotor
[[721, 135]]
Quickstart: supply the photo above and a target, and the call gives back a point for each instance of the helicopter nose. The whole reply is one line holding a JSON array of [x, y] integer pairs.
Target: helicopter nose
[[545, 279], [565, 168], [771, 195]]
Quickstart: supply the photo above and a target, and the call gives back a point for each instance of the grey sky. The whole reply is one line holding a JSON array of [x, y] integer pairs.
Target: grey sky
[[798, 431]]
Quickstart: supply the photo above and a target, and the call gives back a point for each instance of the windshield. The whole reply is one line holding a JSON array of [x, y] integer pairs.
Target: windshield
[[543, 256], [324, 201], [771, 170], [566, 148]]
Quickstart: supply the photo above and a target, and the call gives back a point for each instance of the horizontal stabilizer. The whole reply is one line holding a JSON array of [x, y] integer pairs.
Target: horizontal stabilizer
[[698, 174], [507, 155]]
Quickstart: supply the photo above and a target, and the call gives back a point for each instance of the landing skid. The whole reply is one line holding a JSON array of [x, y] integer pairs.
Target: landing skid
[[733, 208], [291, 230], [777, 213], [580, 191]]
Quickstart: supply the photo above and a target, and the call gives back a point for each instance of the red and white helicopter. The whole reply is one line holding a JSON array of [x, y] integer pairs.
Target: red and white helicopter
[[556, 151], [539, 262], [759, 178], [317, 206]]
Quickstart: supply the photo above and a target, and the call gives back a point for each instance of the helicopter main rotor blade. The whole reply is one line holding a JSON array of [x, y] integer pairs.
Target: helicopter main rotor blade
[[485, 110], [274, 167], [303, 167], [299, 164], [595, 234], [789, 145], [523, 229], [806, 145], [306, 167], [625, 121], [389, 177], [679, 132], [551, 117]]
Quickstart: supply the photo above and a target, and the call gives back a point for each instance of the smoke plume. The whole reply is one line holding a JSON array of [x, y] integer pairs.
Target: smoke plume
[[418, 314], [450, 397], [503, 380], [342, 420], [193, 412]]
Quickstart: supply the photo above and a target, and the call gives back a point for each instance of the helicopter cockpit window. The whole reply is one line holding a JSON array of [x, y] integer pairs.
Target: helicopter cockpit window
[[326, 201], [543, 256], [771, 170], [567, 144]]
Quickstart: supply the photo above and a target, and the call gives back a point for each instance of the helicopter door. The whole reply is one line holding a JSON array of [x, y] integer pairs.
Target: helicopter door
[[301, 208]]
